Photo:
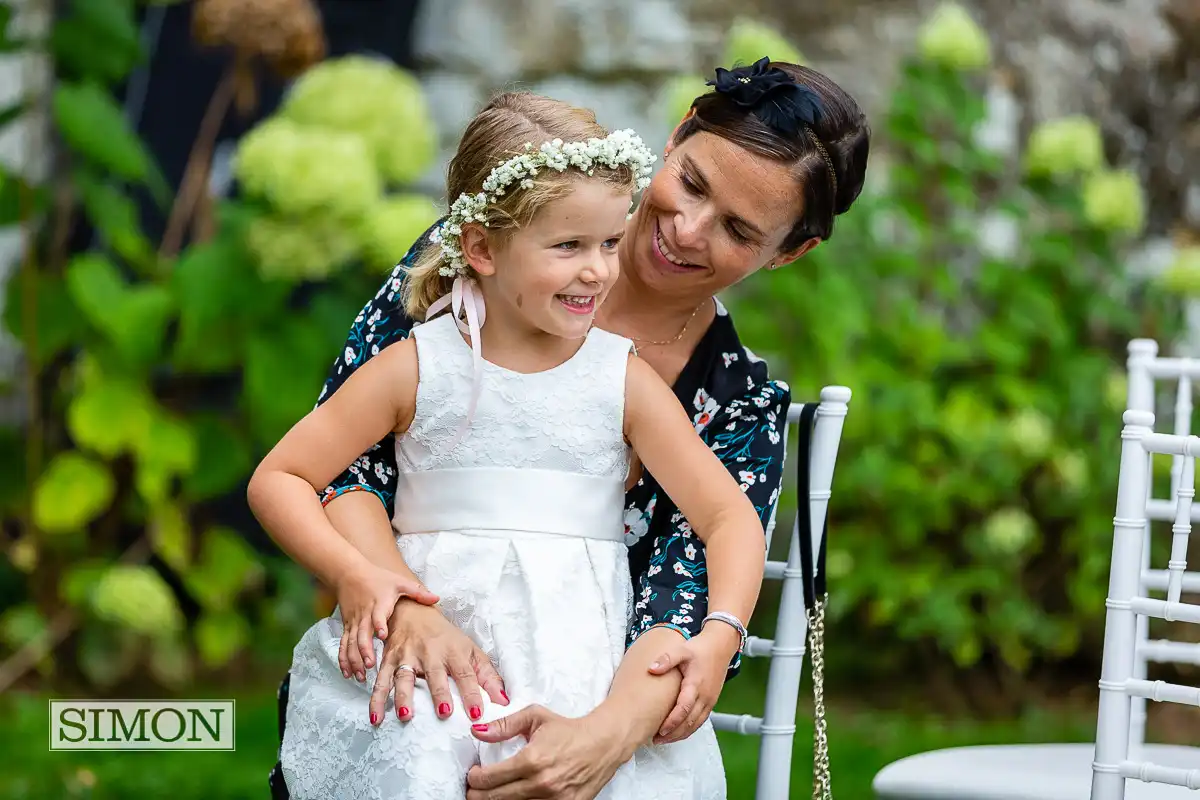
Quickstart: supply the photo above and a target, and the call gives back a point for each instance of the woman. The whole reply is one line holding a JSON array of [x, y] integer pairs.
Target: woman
[[753, 177]]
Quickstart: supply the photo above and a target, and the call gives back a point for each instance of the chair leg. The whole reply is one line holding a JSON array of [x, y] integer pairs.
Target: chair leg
[[1120, 626]]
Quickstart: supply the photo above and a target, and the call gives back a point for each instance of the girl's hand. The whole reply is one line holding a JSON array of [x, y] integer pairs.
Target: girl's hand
[[703, 660], [423, 639], [367, 596]]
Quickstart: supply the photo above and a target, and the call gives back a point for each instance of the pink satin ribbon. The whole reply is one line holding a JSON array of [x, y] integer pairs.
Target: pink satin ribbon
[[465, 299]]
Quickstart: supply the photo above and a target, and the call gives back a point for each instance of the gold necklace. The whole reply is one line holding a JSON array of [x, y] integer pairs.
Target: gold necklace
[[677, 336]]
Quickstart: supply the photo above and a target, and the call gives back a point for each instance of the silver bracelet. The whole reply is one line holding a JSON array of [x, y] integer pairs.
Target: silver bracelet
[[730, 620]]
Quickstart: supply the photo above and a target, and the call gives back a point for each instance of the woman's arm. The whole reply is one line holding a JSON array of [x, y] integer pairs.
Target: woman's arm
[[747, 435], [380, 324], [712, 501], [577, 757]]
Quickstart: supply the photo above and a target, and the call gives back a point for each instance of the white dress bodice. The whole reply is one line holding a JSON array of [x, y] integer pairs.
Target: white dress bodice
[[568, 418]]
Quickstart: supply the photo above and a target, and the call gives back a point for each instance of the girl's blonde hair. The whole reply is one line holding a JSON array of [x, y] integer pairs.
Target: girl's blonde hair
[[497, 133]]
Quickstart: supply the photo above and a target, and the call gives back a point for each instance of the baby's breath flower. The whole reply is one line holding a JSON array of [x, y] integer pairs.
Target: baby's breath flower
[[619, 148]]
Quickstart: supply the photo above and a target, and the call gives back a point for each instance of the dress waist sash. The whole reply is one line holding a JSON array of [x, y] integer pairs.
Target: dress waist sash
[[513, 500]]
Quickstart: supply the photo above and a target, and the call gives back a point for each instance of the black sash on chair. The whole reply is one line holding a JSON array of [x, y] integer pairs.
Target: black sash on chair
[[813, 574]]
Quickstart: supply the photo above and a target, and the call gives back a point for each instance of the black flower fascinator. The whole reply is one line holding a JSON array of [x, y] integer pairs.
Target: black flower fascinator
[[770, 94]]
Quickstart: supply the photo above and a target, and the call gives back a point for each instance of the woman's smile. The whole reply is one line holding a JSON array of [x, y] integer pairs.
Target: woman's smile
[[667, 259]]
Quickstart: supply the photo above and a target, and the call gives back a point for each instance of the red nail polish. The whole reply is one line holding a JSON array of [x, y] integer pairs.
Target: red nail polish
[[480, 727], [504, 694], [444, 709], [374, 717], [402, 711], [475, 712]]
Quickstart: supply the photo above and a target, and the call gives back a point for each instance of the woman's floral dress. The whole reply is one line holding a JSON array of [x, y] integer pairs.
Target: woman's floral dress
[[737, 409]]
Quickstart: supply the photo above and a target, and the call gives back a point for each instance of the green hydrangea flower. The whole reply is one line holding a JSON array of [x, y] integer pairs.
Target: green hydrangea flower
[[1113, 202], [300, 249], [302, 171], [1064, 146], [951, 38], [1030, 433], [378, 101], [1009, 531], [137, 598], [1183, 276], [389, 229]]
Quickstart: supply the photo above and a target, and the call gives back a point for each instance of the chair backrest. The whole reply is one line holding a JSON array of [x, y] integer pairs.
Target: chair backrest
[[1127, 602], [1146, 371], [777, 725]]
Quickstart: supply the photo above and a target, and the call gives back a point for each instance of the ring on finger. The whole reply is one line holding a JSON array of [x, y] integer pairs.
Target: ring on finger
[[408, 667]]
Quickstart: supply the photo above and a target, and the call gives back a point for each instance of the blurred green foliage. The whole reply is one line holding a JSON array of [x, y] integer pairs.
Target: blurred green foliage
[[160, 379], [977, 303]]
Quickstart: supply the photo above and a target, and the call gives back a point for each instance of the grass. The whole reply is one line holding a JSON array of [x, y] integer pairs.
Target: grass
[[861, 742]]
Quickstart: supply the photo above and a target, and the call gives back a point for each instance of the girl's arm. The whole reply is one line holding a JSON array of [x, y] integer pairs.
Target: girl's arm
[[708, 496], [380, 397]]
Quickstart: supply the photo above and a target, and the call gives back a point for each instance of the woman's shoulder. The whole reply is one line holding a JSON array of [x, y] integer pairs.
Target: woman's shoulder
[[735, 371]]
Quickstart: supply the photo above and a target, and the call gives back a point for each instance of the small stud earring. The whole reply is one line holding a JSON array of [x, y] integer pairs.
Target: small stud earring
[[773, 266]]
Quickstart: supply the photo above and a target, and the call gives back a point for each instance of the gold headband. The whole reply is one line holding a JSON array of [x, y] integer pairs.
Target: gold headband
[[812, 137]]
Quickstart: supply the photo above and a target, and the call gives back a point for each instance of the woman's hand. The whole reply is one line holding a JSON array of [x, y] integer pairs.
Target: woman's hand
[[570, 759], [703, 660], [367, 596], [422, 638]]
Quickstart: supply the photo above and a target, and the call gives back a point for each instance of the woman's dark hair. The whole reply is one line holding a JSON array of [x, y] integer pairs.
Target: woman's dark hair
[[796, 116]]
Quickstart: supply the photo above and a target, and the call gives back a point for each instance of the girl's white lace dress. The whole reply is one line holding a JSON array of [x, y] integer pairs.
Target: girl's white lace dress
[[519, 529]]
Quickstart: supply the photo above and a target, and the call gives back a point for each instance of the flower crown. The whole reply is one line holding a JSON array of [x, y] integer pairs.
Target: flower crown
[[619, 148]]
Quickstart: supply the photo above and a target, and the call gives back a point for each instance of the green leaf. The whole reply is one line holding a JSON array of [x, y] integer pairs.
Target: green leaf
[[115, 215], [133, 317], [171, 536], [56, 321], [79, 580], [110, 415], [21, 625], [227, 566], [220, 636], [96, 286], [223, 459], [284, 373], [209, 284], [97, 38], [167, 450], [93, 125], [73, 491]]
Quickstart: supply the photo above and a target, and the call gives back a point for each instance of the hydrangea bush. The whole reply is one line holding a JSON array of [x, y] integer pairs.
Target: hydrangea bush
[[155, 383]]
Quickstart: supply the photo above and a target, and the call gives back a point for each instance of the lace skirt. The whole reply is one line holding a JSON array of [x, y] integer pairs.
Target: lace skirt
[[550, 611]]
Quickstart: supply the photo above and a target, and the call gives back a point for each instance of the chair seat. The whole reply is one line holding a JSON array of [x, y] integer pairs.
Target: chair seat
[[1021, 772]]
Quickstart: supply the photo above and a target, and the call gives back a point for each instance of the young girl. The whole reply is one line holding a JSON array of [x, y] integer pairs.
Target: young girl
[[516, 440]]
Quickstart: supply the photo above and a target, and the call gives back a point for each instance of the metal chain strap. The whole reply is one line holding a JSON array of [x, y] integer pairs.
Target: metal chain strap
[[822, 787]]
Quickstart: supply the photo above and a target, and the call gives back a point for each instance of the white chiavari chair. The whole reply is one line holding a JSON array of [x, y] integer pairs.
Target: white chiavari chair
[[1117, 757], [1146, 369], [819, 432]]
